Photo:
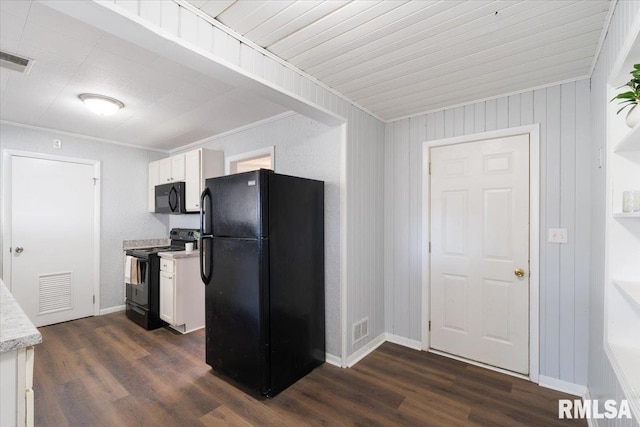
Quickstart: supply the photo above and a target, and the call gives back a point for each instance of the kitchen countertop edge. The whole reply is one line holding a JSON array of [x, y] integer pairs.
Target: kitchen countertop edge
[[17, 330], [180, 254]]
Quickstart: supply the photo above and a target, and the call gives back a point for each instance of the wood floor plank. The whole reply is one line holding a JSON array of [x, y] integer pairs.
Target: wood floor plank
[[442, 403], [223, 416], [109, 371], [436, 417]]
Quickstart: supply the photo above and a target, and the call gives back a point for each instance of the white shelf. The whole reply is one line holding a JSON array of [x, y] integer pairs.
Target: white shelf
[[631, 290], [626, 215], [630, 142], [626, 362], [622, 311]]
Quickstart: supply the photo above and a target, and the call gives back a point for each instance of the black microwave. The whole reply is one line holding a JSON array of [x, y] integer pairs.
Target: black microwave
[[170, 198]]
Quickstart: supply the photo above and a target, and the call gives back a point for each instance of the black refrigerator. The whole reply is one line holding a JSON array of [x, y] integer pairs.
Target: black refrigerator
[[262, 262]]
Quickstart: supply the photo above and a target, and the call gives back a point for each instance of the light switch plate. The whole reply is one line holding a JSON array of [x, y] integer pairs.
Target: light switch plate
[[557, 235]]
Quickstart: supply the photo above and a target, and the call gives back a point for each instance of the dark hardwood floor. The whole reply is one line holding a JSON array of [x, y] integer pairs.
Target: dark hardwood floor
[[107, 371]]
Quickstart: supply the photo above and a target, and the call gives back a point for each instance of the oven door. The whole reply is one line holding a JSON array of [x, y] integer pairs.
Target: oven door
[[139, 293], [170, 198]]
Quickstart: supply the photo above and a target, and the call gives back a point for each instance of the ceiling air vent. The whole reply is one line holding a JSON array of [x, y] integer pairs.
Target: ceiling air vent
[[16, 63]]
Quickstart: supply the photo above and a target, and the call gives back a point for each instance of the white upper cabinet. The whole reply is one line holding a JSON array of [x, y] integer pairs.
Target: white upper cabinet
[[165, 170], [172, 169], [177, 168], [200, 164], [192, 167]]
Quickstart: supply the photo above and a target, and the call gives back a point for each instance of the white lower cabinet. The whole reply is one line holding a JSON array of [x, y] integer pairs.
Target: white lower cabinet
[[167, 299], [16, 387], [181, 293]]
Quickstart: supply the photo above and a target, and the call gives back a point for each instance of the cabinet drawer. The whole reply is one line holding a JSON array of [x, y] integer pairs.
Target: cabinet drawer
[[166, 265]]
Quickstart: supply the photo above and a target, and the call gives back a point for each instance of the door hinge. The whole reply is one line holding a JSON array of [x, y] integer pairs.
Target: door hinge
[[429, 325], [95, 181], [94, 299], [429, 247], [429, 168]]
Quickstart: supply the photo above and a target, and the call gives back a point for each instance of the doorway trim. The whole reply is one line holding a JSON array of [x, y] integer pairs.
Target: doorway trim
[[250, 155], [534, 237], [7, 157]]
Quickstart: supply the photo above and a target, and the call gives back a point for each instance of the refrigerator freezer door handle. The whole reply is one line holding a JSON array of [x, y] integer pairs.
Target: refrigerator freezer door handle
[[205, 194]]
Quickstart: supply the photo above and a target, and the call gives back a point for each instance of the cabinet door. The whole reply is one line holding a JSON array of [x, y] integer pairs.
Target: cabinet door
[[167, 298], [193, 180], [165, 170], [177, 168], [154, 179]]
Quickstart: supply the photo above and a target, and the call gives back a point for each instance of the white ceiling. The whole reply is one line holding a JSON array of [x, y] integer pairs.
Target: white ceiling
[[396, 58], [400, 58], [167, 105]]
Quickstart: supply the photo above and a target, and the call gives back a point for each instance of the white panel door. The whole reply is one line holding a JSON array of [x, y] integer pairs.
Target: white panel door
[[52, 239], [479, 241]]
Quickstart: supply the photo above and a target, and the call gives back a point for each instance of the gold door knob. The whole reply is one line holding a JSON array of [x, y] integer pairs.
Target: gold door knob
[[519, 272]]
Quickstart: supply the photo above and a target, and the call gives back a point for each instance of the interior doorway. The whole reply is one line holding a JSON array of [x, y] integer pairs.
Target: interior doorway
[[263, 158]]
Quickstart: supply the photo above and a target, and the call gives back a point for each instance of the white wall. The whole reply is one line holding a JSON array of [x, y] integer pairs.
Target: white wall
[[563, 114], [306, 148], [123, 213], [603, 383]]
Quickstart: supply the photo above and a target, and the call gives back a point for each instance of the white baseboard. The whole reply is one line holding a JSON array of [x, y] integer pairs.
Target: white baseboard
[[364, 351], [332, 359], [110, 310], [563, 386], [405, 342]]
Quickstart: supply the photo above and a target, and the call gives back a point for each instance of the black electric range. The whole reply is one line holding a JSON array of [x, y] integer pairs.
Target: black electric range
[[143, 297]]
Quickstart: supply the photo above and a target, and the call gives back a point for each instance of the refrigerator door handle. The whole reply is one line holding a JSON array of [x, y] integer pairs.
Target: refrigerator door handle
[[206, 278]]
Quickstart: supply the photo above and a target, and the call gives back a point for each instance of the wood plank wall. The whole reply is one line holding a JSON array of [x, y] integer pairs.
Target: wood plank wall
[[563, 114], [364, 154], [602, 381]]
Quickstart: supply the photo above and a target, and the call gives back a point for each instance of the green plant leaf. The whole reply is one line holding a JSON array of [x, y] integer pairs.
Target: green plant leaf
[[625, 95], [630, 97], [628, 105]]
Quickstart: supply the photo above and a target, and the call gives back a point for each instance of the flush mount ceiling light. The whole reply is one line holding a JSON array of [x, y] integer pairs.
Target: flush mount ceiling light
[[101, 105]]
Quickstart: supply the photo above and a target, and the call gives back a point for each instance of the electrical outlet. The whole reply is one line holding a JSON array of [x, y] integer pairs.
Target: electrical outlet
[[57, 143], [558, 235]]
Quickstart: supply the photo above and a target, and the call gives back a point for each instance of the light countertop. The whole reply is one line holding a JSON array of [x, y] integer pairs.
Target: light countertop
[[180, 254], [144, 243], [16, 330]]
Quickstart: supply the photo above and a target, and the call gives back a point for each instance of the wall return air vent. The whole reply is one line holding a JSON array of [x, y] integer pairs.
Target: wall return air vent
[[16, 63]]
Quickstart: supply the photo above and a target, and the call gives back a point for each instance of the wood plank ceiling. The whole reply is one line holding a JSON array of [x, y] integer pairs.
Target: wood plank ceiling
[[401, 58]]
